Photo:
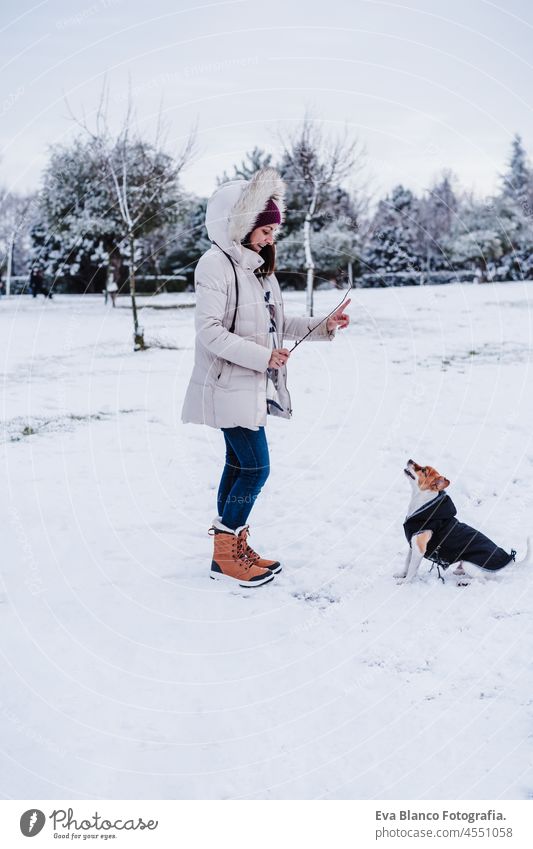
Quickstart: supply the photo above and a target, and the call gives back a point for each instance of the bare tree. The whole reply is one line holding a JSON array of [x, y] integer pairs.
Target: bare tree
[[143, 180], [15, 210], [314, 164]]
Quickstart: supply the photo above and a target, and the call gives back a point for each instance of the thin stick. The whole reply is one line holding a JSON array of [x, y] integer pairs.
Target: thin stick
[[320, 322]]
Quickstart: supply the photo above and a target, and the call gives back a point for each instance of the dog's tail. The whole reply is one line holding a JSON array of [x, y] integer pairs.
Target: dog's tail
[[527, 558]]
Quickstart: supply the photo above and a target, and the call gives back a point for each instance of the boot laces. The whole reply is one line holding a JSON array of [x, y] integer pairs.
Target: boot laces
[[242, 550], [252, 555]]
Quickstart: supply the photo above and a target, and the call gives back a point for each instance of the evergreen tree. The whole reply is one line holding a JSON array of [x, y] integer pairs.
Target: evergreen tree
[[516, 203], [438, 210], [482, 234], [334, 247], [395, 238], [254, 160], [517, 180], [189, 239]]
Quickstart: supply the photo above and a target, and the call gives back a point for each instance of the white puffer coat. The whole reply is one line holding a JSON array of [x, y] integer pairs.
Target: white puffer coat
[[228, 383]]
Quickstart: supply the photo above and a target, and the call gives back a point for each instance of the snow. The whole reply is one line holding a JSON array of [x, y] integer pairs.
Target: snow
[[127, 673]]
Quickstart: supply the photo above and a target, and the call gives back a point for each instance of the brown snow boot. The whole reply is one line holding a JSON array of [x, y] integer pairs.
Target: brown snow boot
[[230, 562], [252, 555]]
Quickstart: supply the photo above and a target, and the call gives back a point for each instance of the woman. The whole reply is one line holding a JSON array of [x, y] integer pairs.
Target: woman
[[240, 372]]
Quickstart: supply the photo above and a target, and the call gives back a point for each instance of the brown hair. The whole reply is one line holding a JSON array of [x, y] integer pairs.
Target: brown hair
[[268, 254]]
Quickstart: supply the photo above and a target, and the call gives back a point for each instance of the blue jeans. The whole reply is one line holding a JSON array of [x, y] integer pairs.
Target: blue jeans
[[246, 470]]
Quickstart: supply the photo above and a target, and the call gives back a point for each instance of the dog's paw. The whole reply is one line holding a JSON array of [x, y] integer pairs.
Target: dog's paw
[[400, 575]]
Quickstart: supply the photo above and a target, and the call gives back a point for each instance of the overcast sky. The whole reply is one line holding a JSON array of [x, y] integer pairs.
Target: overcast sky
[[424, 85]]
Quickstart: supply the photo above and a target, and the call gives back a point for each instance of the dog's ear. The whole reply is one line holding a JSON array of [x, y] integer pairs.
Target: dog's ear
[[440, 483]]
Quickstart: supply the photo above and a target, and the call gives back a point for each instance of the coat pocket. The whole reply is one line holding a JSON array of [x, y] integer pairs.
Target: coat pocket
[[224, 373]]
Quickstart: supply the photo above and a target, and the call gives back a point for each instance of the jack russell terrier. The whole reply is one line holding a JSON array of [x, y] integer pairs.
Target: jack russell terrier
[[433, 532]]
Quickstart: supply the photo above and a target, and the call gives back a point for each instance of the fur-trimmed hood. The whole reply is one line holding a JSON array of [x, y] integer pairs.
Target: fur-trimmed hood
[[233, 208]]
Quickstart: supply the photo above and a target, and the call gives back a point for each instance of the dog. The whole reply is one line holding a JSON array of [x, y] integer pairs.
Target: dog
[[433, 532]]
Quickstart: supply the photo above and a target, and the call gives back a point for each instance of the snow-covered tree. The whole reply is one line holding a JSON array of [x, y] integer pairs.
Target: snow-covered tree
[[16, 218], [334, 247], [313, 167], [78, 211], [517, 180], [188, 238], [515, 202], [145, 180], [438, 211], [105, 192], [482, 233], [336, 205], [395, 237]]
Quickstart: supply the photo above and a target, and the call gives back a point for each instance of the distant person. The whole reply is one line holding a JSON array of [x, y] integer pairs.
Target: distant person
[[36, 282], [111, 289]]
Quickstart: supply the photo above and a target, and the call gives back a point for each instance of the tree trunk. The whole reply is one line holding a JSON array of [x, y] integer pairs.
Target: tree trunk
[[138, 332], [9, 269], [309, 264], [428, 264]]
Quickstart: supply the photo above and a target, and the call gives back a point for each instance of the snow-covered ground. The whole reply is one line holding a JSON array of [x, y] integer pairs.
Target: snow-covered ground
[[127, 673]]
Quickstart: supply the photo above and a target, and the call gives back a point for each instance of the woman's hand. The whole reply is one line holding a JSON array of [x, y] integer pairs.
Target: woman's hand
[[339, 318], [278, 357]]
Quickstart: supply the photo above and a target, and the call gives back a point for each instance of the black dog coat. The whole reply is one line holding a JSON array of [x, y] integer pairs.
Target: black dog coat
[[452, 540]]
